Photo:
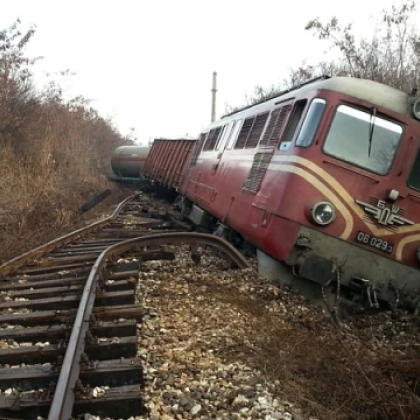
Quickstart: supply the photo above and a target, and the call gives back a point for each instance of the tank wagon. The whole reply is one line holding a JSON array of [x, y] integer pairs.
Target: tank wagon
[[127, 162], [323, 180]]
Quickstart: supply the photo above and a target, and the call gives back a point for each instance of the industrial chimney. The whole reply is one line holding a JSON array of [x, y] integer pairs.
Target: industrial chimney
[[213, 98]]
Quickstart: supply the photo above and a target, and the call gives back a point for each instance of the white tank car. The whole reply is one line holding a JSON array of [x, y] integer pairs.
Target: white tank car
[[128, 161]]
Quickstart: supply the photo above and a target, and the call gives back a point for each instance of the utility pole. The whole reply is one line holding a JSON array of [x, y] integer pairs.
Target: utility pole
[[213, 98]]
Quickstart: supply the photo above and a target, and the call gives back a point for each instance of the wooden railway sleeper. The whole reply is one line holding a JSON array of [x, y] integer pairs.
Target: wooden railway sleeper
[[69, 384], [64, 397]]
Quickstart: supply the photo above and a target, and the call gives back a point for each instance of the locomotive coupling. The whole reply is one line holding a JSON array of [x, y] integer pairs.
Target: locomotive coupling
[[303, 241], [312, 266]]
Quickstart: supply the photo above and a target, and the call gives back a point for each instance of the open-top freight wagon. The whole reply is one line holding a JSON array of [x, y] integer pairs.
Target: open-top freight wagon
[[167, 162]]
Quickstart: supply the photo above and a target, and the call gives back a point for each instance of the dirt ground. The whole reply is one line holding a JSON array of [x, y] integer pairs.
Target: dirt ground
[[207, 318]]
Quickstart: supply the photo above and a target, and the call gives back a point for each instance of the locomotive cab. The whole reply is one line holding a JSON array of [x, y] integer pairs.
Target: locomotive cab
[[359, 210]]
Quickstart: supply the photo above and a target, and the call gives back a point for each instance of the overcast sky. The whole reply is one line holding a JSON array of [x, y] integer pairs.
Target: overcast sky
[[149, 64]]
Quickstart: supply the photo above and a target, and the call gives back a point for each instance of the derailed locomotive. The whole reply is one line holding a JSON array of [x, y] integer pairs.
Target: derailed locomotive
[[323, 179]]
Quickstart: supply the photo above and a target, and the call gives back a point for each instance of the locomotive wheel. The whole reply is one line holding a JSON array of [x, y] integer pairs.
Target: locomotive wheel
[[282, 274]]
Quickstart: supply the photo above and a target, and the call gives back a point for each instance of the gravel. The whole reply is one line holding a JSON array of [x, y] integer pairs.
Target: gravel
[[227, 344], [219, 343], [182, 335]]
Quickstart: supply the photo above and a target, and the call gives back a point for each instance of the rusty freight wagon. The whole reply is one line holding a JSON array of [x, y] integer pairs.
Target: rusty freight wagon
[[167, 161]]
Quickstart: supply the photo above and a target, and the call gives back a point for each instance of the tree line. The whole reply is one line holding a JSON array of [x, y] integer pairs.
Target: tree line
[[391, 56]]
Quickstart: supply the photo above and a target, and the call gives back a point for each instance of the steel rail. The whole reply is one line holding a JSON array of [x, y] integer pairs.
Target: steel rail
[[64, 396], [18, 261]]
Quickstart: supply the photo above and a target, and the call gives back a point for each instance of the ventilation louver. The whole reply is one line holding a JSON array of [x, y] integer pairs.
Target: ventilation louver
[[275, 126], [257, 172]]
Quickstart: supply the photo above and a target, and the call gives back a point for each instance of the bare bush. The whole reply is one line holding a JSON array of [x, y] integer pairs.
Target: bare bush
[[391, 56], [364, 368], [55, 153]]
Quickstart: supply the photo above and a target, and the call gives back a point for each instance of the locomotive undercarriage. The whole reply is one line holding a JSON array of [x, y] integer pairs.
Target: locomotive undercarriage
[[360, 275], [326, 269]]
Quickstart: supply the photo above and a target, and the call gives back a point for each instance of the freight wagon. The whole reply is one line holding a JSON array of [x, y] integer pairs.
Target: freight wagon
[[167, 162], [127, 162]]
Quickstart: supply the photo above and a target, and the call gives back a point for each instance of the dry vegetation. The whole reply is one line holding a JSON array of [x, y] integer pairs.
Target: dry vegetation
[[210, 329], [366, 367], [54, 153]]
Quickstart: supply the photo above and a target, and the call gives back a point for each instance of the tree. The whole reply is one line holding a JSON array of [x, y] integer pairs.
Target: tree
[[17, 98], [391, 57]]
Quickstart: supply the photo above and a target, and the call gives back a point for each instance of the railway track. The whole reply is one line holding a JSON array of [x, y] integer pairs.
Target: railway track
[[70, 316]]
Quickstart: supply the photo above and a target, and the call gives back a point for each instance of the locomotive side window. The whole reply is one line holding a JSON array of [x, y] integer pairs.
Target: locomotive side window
[[230, 135], [225, 133], [414, 177], [212, 139], [243, 135], [197, 149], [363, 139], [234, 134], [221, 136], [256, 130], [275, 126], [251, 131], [294, 120], [310, 125]]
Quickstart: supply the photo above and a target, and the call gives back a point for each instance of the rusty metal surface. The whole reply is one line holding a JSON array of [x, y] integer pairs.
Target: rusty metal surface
[[16, 262], [167, 161], [180, 238], [62, 404], [64, 396], [73, 272]]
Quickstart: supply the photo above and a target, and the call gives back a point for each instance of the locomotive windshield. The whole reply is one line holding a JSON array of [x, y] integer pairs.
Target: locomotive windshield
[[363, 139]]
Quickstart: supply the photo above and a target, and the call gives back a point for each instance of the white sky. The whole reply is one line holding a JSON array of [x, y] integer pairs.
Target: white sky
[[149, 64]]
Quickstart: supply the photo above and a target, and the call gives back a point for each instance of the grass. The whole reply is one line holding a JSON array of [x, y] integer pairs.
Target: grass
[[365, 368]]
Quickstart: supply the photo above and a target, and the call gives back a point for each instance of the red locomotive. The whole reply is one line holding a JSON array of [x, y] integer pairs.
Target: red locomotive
[[323, 178]]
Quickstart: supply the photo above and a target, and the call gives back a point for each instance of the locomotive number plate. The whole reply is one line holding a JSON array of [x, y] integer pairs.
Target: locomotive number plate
[[374, 242]]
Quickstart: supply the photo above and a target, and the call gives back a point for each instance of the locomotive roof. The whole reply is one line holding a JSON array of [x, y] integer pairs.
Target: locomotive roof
[[374, 92]]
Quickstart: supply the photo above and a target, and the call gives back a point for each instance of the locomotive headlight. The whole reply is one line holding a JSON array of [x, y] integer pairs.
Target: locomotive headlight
[[323, 213]]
